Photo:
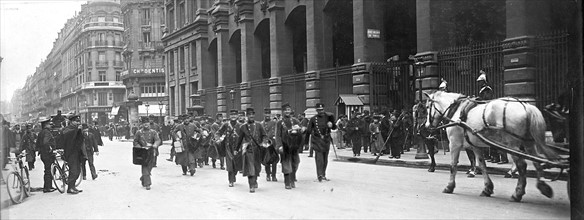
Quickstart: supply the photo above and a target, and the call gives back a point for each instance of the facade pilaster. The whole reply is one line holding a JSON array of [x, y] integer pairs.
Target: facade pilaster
[[367, 16], [361, 83], [312, 79]]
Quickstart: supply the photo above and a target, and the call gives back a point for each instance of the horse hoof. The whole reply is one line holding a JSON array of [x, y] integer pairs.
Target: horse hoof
[[515, 198], [545, 189], [447, 190], [486, 194], [431, 170]]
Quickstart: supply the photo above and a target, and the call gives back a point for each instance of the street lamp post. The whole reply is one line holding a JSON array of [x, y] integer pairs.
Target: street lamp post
[[232, 96], [160, 108], [147, 113], [421, 151]]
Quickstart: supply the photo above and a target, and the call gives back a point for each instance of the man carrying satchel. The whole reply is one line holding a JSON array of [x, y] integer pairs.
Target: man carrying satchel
[[147, 138]]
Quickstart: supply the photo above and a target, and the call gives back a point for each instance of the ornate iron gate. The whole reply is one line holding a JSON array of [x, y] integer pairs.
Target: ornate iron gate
[[391, 85]]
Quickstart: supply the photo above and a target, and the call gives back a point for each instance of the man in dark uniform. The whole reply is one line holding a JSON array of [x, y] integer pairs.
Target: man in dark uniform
[[74, 154], [217, 152], [270, 129], [397, 135], [45, 144], [252, 136], [303, 123], [96, 134], [147, 138], [366, 133], [319, 128], [385, 128], [288, 140], [354, 131], [226, 138], [58, 120]]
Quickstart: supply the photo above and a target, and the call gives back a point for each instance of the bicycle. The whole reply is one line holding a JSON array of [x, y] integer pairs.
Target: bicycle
[[18, 183], [60, 173]]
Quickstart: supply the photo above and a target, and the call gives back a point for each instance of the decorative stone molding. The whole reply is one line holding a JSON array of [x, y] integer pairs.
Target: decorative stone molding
[[312, 75], [275, 81], [516, 43], [264, 6], [425, 58]]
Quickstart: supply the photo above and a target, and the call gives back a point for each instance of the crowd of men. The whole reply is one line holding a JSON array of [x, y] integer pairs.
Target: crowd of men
[[243, 144], [78, 141]]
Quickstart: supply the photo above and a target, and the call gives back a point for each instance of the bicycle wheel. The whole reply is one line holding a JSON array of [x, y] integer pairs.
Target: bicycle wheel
[[26, 181], [15, 187], [59, 178]]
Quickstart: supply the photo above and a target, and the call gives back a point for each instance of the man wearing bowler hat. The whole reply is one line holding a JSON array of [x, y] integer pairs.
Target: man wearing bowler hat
[[319, 130]]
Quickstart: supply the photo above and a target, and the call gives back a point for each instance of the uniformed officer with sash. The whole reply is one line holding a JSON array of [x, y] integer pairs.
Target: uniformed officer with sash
[[319, 130], [226, 138], [252, 136], [288, 137]]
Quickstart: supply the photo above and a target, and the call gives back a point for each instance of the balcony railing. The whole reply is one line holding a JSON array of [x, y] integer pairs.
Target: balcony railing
[[118, 64], [101, 84], [101, 63], [152, 45]]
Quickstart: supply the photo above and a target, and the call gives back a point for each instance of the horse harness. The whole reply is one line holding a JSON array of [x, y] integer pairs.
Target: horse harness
[[449, 112]]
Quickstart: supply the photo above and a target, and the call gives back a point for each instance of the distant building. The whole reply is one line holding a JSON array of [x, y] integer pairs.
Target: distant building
[[144, 55]]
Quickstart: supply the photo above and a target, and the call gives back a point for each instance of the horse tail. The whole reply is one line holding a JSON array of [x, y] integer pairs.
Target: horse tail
[[537, 128]]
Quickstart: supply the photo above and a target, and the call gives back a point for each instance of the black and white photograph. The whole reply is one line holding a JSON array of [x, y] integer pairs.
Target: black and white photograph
[[291, 109]]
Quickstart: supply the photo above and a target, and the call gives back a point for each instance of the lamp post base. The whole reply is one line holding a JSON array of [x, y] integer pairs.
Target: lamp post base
[[421, 151]]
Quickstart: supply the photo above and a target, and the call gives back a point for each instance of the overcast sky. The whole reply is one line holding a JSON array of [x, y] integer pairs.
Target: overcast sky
[[28, 29]]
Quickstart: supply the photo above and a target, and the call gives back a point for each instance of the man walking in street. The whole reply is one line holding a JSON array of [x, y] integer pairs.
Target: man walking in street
[[45, 144], [270, 128], [215, 151], [91, 148], [319, 129], [226, 138], [354, 132], [74, 154], [288, 140], [252, 136], [147, 138]]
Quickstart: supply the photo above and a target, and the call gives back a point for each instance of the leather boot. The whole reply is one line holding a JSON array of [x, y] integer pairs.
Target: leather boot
[[287, 181]]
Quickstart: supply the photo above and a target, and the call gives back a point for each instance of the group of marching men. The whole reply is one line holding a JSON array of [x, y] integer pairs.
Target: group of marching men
[[242, 144]]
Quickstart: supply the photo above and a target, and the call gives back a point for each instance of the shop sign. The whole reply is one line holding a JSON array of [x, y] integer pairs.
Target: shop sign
[[148, 71]]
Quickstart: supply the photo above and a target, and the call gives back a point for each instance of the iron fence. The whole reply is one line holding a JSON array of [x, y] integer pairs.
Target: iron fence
[[333, 82], [391, 85], [552, 67], [460, 67]]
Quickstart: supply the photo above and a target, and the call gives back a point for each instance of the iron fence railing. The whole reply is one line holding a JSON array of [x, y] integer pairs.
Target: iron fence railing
[[391, 85], [552, 67]]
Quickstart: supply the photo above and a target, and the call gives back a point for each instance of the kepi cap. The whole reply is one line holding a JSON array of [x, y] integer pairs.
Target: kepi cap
[[319, 106]]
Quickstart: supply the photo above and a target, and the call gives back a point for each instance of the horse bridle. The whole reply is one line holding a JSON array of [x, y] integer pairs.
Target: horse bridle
[[432, 117]]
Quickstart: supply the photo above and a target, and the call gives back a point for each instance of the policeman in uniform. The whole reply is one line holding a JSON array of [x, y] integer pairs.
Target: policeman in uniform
[[45, 144], [486, 92], [319, 130], [270, 128], [147, 138], [219, 152], [442, 86]]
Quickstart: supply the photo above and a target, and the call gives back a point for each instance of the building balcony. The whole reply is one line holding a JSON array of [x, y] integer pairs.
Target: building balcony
[[151, 46], [119, 64], [101, 64], [108, 25], [101, 85]]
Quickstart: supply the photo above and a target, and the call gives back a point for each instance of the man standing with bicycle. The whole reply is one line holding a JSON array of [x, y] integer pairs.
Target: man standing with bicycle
[[45, 144], [73, 141]]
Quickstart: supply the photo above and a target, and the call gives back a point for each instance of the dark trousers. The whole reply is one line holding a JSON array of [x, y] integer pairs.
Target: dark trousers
[[271, 169], [31, 165], [147, 169], [396, 146], [366, 142], [74, 170], [184, 169], [357, 142], [47, 177], [321, 159], [172, 153], [91, 167], [253, 181], [231, 176]]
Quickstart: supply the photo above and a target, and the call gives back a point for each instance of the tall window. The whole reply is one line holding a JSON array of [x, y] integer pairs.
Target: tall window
[[102, 76], [146, 37], [116, 19], [181, 57], [171, 61], [89, 76], [101, 37], [193, 55], [152, 89], [102, 98], [145, 16], [117, 39], [118, 76], [170, 20], [101, 19], [181, 14]]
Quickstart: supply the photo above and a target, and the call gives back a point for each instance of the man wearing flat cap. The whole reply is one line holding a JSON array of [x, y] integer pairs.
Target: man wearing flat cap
[[149, 139], [288, 142], [226, 138], [73, 152], [319, 130], [252, 137], [271, 164], [46, 144]]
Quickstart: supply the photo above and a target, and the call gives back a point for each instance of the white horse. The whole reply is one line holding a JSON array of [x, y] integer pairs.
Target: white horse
[[517, 125]]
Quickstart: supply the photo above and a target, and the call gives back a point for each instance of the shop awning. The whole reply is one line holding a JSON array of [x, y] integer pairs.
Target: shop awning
[[115, 110], [153, 110], [349, 99]]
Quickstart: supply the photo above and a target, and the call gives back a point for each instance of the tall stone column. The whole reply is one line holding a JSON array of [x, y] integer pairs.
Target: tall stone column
[[177, 99], [280, 52], [432, 27], [524, 20], [319, 48], [361, 85], [250, 52], [368, 15], [225, 55]]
